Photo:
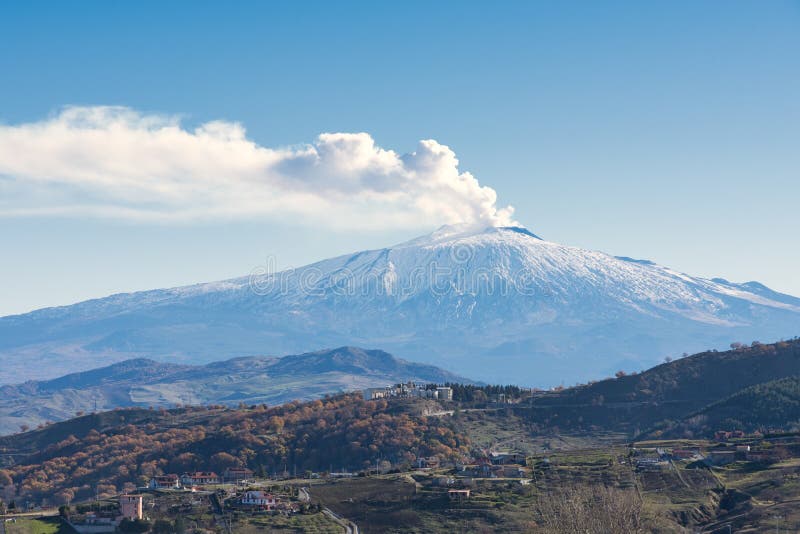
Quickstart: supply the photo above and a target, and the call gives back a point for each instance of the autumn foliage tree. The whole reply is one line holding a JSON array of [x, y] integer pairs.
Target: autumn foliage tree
[[344, 431]]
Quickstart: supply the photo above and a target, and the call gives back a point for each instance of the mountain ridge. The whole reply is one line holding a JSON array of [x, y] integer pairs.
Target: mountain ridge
[[253, 380]]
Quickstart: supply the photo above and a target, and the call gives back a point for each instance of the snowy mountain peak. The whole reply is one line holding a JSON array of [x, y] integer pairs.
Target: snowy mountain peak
[[454, 232], [497, 304]]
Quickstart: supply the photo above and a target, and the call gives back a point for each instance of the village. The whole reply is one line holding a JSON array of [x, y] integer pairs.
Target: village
[[727, 447], [203, 494], [238, 492], [409, 390]]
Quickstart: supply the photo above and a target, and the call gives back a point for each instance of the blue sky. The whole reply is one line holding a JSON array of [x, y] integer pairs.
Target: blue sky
[[659, 130]]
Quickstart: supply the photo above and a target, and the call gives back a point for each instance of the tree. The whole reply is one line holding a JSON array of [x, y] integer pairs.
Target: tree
[[136, 526], [592, 509], [620, 374], [222, 460], [162, 526], [65, 496], [180, 526]]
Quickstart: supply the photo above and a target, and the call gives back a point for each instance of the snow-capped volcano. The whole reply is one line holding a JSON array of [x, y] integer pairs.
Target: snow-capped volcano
[[497, 304]]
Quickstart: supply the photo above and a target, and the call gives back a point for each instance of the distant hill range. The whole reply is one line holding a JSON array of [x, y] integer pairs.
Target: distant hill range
[[249, 380]]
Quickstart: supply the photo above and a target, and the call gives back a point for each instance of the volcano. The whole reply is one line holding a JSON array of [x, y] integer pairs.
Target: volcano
[[497, 304]]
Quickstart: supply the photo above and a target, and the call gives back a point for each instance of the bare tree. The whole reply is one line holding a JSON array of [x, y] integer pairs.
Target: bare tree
[[592, 509]]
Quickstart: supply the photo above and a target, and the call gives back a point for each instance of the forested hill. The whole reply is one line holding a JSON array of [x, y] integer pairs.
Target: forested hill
[[704, 377], [769, 406], [121, 449], [670, 391]]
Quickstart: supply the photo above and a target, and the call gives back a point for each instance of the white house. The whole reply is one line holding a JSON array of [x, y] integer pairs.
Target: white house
[[259, 499]]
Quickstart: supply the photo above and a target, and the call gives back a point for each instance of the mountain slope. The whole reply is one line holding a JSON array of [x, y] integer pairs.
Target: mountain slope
[[251, 380], [714, 384], [773, 405], [499, 304]]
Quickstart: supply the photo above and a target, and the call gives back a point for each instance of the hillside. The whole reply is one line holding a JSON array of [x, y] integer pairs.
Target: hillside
[[771, 405], [670, 391], [498, 303], [121, 449], [251, 380]]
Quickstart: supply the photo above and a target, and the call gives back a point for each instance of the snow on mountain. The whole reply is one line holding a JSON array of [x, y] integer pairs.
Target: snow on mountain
[[495, 304]]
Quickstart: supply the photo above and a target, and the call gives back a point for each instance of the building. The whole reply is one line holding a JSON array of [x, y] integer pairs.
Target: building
[[378, 393], [512, 471], [259, 500], [502, 458], [164, 482], [444, 393], [130, 506], [458, 494], [237, 474], [428, 463], [199, 478], [95, 523], [423, 393], [649, 463]]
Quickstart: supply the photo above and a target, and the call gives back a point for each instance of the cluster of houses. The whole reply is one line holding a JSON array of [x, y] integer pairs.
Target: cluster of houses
[[654, 459], [409, 389], [106, 521], [726, 455], [496, 465], [199, 478], [131, 505], [493, 464]]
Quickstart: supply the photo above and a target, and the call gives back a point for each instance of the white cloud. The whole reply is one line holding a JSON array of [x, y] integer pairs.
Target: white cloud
[[117, 162]]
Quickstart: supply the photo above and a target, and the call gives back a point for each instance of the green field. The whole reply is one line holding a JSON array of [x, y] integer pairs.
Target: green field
[[48, 525]]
